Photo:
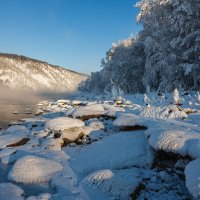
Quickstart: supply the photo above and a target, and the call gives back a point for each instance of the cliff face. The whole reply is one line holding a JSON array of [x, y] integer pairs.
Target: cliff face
[[23, 73]]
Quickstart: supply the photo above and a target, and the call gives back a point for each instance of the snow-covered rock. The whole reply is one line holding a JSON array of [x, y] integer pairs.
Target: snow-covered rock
[[192, 175], [112, 111], [14, 134], [76, 103], [63, 101], [62, 123], [9, 191], [128, 120], [90, 111], [175, 137], [52, 144], [33, 169], [96, 124], [72, 134], [117, 183], [165, 112], [118, 151]]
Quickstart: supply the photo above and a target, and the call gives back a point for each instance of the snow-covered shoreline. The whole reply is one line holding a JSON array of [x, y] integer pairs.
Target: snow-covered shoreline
[[105, 148]]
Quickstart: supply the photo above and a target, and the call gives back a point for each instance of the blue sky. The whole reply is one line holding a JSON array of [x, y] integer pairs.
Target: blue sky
[[71, 33]]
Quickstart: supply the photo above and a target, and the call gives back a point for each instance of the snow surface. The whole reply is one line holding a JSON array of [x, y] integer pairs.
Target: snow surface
[[165, 112], [9, 191], [118, 151], [192, 175], [32, 169]]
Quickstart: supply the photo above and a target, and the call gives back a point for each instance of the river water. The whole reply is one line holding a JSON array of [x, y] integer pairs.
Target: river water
[[20, 101]]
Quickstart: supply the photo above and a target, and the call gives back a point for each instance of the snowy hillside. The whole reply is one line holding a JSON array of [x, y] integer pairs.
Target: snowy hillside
[[19, 72]]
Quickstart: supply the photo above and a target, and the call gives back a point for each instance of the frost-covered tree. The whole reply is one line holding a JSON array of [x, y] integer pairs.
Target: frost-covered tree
[[165, 55]]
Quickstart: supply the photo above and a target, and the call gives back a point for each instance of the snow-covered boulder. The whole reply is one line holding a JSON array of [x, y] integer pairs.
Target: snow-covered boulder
[[192, 175], [14, 135], [111, 110], [76, 103], [9, 191], [166, 112], [118, 151], [52, 144], [33, 169], [63, 101], [174, 137], [117, 183], [129, 121], [96, 124], [62, 123], [87, 112], [73, 134]]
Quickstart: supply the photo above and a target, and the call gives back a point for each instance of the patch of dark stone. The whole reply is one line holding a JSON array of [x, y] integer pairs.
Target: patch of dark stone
[[21, 142], [104, 117], [157, 182], [168, 160], [133, 128], [136, 192], [87, 117]]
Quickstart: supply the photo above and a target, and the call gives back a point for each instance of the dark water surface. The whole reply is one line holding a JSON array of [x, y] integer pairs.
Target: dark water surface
[[11, 101]]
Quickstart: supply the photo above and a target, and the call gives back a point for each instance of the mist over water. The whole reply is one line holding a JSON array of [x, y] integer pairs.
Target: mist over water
[[19, 101]]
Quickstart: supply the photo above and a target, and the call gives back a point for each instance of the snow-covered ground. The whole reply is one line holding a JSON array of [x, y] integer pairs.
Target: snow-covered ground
[[97, 147]]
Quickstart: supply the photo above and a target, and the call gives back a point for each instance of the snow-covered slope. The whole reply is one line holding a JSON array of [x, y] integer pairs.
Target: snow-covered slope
[[19, 72]]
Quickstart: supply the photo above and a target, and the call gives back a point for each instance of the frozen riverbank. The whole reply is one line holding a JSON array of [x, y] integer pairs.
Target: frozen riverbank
[[104, 149]]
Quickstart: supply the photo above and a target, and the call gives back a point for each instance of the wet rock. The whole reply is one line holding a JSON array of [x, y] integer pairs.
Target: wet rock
[[21, 142]]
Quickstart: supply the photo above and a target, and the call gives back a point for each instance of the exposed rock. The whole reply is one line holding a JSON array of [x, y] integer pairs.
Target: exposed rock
[[23, 141]]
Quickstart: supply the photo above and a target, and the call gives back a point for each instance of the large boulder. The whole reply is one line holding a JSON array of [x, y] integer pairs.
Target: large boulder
[[14, 136], [129, 121], [62, 123], [87, 112], [117, 183], [33, 169]]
